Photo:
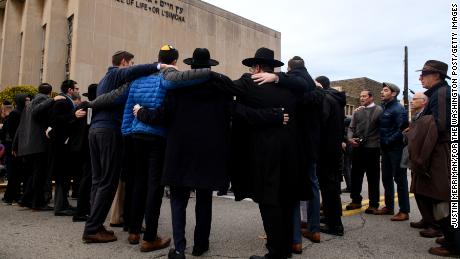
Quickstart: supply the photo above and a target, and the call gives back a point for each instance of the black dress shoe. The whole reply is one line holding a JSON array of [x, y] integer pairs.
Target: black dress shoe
[[221, 193], [332, 230], [117, 225], [198, 251], [79, 218], [175, 255], [64, 213], [44, 208]]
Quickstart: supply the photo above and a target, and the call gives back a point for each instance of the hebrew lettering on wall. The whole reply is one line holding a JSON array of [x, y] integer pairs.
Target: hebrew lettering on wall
[[157, 7]]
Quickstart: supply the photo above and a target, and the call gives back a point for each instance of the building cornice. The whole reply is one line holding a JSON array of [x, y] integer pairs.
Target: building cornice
[[232, 17]]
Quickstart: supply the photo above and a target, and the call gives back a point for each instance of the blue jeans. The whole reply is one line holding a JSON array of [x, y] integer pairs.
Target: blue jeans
[[297, 235], [311, 207], [391, 170]]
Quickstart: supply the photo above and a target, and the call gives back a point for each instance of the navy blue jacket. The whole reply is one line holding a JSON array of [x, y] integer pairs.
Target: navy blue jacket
[[392, 122], [115, 77]]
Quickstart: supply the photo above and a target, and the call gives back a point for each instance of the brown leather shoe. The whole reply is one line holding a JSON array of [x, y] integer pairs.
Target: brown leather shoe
[[99, 237], [400, 216], [110, 232], [157, 244], [371, 210], [430, 233], [314, 237], [419, 224], [441, 241], [384, 211], [442, 251], [297, 248], [353, 206], [133, 239]]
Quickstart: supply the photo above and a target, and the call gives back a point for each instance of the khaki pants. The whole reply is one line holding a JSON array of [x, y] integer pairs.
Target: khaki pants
[[116, 216]]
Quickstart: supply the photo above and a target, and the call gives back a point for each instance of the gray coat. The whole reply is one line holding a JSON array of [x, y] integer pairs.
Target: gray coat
[[30, 137]]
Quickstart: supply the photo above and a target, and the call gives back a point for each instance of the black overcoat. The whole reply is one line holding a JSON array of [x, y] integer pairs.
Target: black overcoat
[[198, 125], [266, 161]]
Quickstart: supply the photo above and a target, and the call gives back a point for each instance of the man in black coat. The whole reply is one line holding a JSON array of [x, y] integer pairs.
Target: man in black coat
[[16, 166], [196, 153], [330, 155], [61, 119], [30, 142], [274, 173], [79, 148]]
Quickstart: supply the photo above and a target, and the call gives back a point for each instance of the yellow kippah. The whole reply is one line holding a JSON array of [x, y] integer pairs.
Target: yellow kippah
[[167, 47]]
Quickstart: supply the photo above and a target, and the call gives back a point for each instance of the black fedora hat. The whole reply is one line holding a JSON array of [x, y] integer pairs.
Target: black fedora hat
[[435, 66], [263, 56], [91, 94], [201, 58]]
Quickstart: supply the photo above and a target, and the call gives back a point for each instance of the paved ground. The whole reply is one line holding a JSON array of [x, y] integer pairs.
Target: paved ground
[[235, 234]]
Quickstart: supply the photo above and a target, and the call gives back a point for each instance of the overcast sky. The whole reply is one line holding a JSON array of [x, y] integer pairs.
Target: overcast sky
[[355, 38]]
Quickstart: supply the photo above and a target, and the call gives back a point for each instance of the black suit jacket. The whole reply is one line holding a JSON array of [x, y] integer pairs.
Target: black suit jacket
[[61, 120]]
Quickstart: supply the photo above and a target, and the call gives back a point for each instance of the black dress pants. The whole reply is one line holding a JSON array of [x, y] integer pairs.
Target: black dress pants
[[34, 193], [366, 160], [15, 168], [127, 177], [329, 178], [278, 225], [147, 195], [84, 191], [60, 169], [105, 149], [203, 216]]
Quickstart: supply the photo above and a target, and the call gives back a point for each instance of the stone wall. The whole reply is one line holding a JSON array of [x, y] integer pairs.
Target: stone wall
[[36, 44]]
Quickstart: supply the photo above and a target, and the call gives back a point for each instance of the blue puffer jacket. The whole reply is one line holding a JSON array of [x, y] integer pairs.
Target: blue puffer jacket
[[149, 92], [392, 122]]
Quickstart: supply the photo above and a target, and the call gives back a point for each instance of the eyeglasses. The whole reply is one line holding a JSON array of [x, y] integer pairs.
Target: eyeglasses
[[253, 69], [418, 98], [426, 73]]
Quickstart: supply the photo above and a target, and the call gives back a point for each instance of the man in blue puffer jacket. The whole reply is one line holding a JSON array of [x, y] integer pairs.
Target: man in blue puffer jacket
[[106, 146], [393, 121], [149, 143]]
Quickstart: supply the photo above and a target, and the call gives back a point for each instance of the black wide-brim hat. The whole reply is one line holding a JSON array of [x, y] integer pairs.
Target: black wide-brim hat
[[436, 67], [263, 56], [201, 58]]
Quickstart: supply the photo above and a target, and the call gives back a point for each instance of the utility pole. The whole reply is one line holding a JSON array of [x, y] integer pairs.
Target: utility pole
[[406, 83]]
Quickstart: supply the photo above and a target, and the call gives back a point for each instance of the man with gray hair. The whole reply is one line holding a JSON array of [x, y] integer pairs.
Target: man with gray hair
[[425, 206]]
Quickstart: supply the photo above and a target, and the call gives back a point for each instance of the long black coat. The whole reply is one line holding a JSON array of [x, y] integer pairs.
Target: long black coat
[[30, 137], [198, 125], [266, 163]]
